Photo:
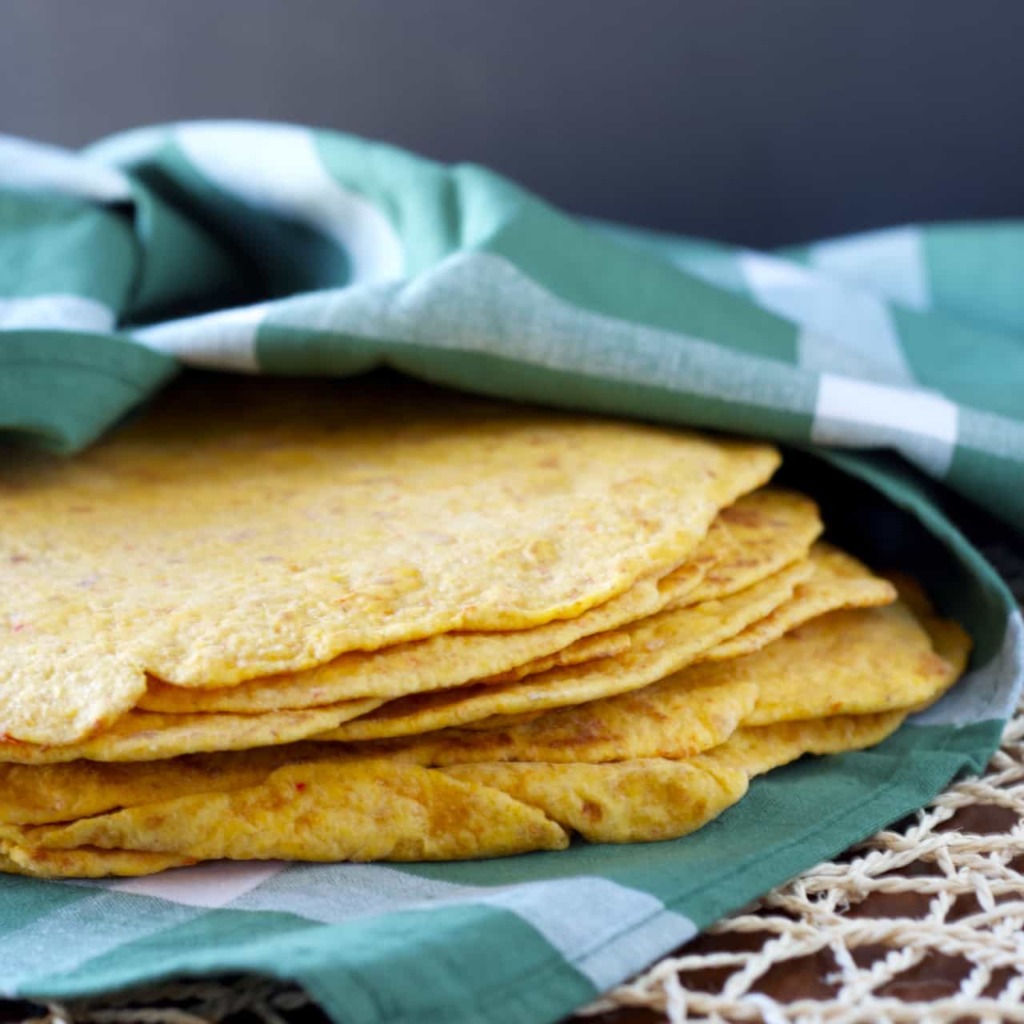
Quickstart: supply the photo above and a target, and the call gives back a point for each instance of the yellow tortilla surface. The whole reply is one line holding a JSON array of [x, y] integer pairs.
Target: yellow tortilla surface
[[259, 526], [754, 538], [358, 808], [361, 811], [649, 799], [948, 637], [438, 662], [661, 645], [758, 749], [41, 794], [383, 810], [666, 719], [839, 581], [146, 736], [748, 542], [625, 802], [84, 862], [859, 661], [588, 648], [680, 716]]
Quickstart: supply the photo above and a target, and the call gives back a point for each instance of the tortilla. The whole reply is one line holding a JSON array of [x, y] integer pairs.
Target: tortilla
[[360, 808], [626, 802], [852, 662], [360, 811], [667, 719], [84, 862], [257, 526], [661, 644], [777, 527], [839, 581], [656, 798], [758, 749], [680, 716], [438, 662], [753, 538], [588, 648], [42, 794], [146, 736], [947, 637]]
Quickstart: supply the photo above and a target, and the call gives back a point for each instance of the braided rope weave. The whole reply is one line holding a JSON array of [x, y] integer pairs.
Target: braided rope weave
[[954, 918], [920, 923]]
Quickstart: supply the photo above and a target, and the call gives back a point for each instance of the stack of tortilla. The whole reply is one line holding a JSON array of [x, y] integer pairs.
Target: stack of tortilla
[[372, 620]]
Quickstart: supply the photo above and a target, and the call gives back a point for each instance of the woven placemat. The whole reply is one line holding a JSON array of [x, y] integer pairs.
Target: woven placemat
[[922, 922]]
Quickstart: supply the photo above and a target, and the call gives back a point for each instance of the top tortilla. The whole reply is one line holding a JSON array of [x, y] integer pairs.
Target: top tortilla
[[776, 529], [256, 526]]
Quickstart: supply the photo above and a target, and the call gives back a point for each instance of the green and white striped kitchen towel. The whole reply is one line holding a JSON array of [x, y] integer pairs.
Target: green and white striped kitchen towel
[[891, 363]]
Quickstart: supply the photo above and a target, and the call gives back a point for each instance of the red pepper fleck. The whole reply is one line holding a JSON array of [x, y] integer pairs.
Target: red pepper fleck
[[300, 786]]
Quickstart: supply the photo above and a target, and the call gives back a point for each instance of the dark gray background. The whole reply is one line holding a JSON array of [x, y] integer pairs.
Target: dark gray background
[[759, 121]]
